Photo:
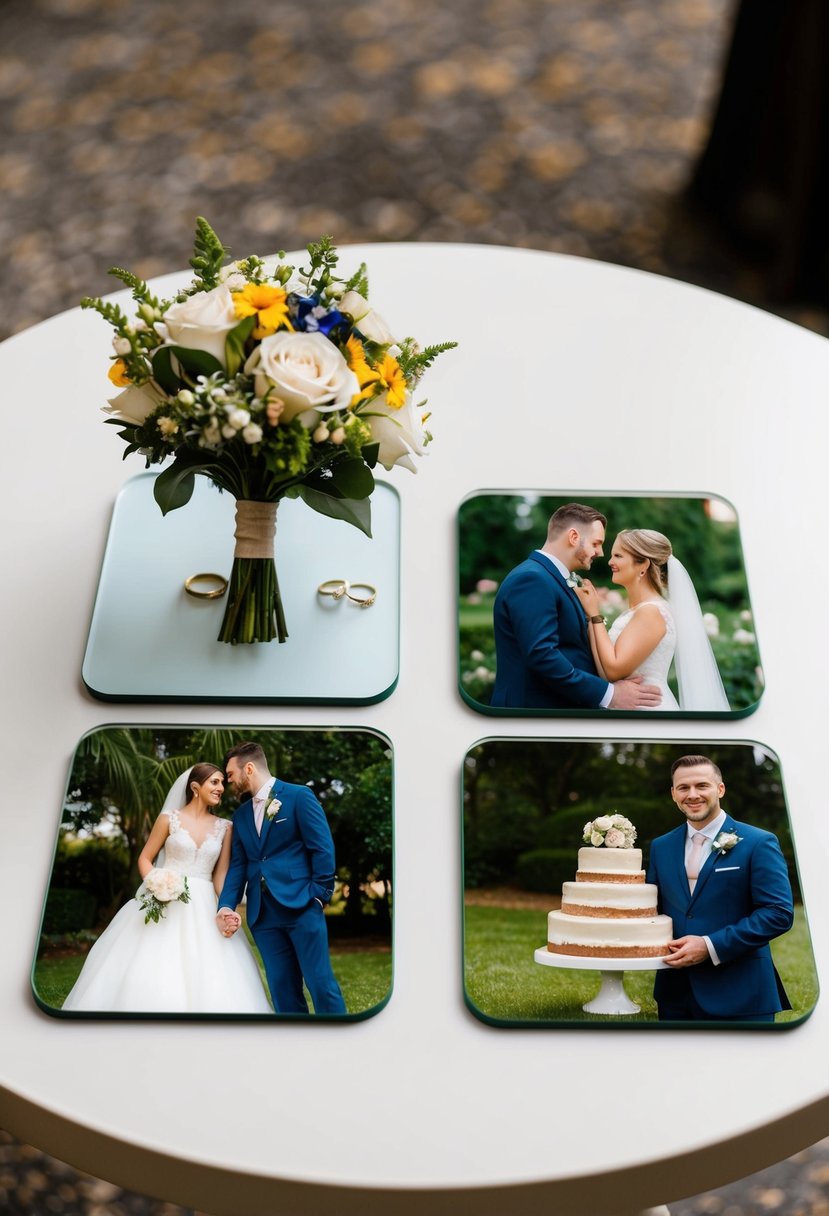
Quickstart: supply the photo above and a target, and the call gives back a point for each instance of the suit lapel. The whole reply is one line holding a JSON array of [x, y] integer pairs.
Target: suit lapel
[[267, 823], [677, 847], [562, 581]]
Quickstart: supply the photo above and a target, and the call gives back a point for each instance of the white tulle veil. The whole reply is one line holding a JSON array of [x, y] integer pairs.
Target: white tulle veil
[[698, 677], [173, 802]]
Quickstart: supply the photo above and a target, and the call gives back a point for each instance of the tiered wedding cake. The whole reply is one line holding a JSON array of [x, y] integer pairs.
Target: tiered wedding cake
[[609, 911]]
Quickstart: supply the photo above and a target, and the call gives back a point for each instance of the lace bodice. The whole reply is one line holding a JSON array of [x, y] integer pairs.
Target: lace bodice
[[181, 853], [654, 669]]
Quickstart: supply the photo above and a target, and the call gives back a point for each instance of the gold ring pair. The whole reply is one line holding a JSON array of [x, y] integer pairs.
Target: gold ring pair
[[218, 589], [339, 587]]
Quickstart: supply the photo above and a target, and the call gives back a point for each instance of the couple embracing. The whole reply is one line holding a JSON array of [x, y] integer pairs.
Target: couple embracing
[[553, 650], [279, 849]]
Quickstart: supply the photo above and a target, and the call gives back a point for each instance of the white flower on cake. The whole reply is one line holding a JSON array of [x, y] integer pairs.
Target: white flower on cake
[[612, 831]]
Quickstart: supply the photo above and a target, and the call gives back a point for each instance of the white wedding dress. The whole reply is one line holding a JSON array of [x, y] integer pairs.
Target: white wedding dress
[[180, 964], [654, 669]]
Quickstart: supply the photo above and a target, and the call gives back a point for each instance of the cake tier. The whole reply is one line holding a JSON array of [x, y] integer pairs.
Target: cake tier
[[610, 865], [612, 899], [629, 937]]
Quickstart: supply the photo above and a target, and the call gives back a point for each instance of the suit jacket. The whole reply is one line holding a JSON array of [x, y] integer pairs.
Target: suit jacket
[[294, 854], [542, 650], [742, 900]]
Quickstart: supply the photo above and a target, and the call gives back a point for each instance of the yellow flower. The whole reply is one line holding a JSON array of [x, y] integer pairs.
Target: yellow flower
[[393, 381], [118, 374], [269, 304], [367, 377]]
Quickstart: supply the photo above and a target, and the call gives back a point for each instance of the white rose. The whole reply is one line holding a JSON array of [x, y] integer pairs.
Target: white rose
[[165, 885], [133, 406], [398, 431], [603, 823], [201, 322], [615, 839], [306, 371], [369, 322], [596, 839], [252, 433]]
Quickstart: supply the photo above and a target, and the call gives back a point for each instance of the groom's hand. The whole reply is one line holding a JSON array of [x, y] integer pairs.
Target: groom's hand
[[633, 694], [686, 952], [228, 922]]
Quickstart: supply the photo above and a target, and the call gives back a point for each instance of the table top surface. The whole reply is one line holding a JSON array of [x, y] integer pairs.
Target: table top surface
[[570, 375]]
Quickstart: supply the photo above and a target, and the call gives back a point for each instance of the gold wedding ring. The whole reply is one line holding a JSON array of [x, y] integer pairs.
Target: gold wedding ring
[[218, 588], [335, 587], [365, 601]]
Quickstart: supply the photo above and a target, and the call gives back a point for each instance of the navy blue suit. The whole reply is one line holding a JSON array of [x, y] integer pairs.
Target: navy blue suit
[[741, 901], [542, 650], [289, 874]]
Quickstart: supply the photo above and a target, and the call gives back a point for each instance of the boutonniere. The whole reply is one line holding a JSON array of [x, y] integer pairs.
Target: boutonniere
[[272, 806], [723, 842], [574, 580]]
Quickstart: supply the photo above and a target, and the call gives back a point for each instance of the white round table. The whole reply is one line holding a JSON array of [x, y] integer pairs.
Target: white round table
[[570, 376]]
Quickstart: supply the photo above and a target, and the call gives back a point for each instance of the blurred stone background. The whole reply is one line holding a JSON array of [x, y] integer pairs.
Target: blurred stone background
[[565, 125]]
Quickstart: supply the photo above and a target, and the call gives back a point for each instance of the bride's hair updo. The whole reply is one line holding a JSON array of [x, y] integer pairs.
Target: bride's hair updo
[[643, 544], [199, 773]]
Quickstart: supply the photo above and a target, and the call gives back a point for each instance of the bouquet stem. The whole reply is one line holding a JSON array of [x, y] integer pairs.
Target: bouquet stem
[[254, 611]]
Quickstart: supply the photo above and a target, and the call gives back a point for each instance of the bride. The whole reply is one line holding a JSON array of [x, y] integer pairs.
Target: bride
[[179, 963], [663, 623]]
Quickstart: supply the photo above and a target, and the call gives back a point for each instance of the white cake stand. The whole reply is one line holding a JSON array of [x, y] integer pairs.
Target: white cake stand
[[611, 997]]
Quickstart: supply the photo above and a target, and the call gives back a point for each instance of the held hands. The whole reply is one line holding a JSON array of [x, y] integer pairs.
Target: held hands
[[686, 952], [228, 923], [633, 694]]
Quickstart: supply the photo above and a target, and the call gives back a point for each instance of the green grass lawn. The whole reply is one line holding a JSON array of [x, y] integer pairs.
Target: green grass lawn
[[365, 977], [504, 983]]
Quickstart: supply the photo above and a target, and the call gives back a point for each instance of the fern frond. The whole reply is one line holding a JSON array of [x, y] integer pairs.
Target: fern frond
[[209, 254]]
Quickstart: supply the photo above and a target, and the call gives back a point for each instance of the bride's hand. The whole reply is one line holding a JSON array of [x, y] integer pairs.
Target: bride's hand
[[589, 597]]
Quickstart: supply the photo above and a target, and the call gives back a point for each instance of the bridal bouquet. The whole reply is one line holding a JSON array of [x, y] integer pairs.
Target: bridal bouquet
[[612, 831], [273, 382], [160, 888]]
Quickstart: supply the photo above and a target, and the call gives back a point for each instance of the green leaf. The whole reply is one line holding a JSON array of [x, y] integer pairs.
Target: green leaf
[[350, 478], [163, 373], [235, 344], [196, 362], [370, 453], [174, 487], [351, 511]]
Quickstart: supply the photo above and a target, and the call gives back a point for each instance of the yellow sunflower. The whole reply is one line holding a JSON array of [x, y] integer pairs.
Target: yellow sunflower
[[269, 304]]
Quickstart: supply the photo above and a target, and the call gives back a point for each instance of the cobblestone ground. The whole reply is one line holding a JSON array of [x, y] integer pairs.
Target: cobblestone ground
[[567, 125]]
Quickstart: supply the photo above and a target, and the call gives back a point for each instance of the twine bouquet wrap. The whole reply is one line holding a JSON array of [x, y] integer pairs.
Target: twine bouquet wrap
[[273, 382]]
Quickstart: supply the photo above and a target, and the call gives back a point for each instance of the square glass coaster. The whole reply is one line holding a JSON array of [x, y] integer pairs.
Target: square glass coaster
[[151, 641]]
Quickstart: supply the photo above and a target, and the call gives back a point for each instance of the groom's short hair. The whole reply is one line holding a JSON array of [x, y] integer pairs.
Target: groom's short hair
[[695, 762], [247, 753], [573, 515]]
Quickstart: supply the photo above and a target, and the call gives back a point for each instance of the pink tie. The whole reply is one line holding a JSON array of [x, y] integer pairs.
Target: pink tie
[[694, 862], [258, 816]]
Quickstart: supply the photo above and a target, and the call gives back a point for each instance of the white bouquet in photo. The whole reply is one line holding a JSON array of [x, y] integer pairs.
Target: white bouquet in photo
[[159, 888]]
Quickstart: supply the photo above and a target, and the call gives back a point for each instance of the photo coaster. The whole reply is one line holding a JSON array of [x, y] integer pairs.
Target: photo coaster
[[158, 832], [669, 607], [580, 881], [150, 640]]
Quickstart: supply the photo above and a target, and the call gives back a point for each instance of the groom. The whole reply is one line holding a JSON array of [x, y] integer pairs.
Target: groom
[[726, 887], [283, 851], [542, 649]]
